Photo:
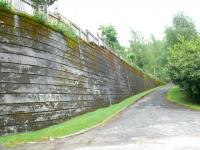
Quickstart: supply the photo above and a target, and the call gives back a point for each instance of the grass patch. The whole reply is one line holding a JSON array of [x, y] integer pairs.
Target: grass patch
[[73, 125], [178, 96]]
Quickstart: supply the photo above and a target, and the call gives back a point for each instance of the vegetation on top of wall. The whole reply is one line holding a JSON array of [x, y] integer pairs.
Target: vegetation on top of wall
[[64, 29], [68, 31], [5, 5], [60, 27], [109, 34], [148, 54], [180, 44], [144, 57], [42, 19]]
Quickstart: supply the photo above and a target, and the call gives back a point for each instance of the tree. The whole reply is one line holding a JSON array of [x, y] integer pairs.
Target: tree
[[183, 42], [137, 49], [183, 26], [184, 65], [156, 56], [109, 34], [149, 55]]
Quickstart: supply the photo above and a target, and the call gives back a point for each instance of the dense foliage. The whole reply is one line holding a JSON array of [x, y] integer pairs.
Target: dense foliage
[[184, 54], [182, 26], [180, 44], [149, 55], [5, 5], [109, 35], [65, 29], [184, 64], [41, 18]]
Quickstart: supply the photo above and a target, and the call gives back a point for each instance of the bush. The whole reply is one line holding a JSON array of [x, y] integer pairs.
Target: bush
[[5, 5], [64, 29], [40, 17], [184, 66]]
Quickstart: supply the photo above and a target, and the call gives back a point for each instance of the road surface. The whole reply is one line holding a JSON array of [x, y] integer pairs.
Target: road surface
[[150, 124]]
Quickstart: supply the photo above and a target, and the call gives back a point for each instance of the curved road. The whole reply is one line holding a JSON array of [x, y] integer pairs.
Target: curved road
[[152, 123]]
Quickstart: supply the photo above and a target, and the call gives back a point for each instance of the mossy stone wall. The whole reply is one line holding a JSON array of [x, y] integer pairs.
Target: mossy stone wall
[[46, 78]]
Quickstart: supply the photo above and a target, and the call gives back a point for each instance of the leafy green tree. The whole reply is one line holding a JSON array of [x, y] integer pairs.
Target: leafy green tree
[[109, 34], [184, 65], [137, 49], [149, 55], [155, 54], [5, 5], [183, 26]]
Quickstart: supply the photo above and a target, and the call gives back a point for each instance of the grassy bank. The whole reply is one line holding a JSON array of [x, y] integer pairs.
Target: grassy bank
[[73, 125], [178, 96]]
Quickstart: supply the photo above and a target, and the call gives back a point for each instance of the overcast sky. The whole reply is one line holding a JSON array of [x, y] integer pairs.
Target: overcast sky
[[146, 16]]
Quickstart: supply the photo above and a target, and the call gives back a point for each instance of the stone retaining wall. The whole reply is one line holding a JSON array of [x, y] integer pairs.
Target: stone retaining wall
[[46, 78]]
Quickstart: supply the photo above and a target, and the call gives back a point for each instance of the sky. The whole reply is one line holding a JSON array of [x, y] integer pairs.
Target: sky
[[146, 16]]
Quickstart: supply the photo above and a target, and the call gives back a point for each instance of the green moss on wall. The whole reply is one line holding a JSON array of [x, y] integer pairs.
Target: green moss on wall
[[57, 27]]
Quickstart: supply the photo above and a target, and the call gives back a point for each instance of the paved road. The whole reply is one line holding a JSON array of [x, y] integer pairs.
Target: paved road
[[151, 124]]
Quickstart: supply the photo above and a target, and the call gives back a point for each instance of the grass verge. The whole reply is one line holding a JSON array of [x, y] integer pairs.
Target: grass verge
[[72, 126], [177, 95]]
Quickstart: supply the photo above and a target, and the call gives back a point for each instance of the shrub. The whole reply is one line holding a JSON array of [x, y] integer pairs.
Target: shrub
[[40, 17], [5, 5], [58, 26], [184, 66], [64, 29]]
